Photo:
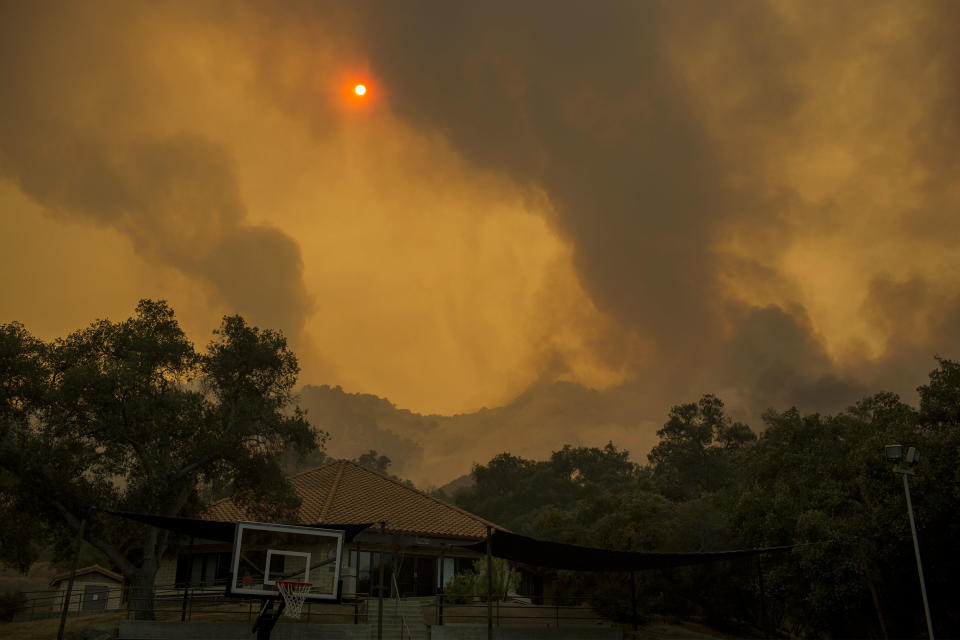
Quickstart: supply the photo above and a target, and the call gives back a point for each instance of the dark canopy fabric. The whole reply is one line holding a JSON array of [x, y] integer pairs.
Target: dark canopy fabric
[[218, 530], [555, 555]]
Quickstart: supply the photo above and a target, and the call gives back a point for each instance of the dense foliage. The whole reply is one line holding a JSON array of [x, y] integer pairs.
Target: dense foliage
[[129, 416], [818, 481]]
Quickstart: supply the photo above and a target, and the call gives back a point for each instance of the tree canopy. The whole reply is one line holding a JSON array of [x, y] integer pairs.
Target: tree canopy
[[820, 481], [130, 416]]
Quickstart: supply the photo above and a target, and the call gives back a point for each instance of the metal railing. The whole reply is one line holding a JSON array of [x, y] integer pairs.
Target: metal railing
[[209, 603], [569, 611], [170, 603], [396, 598]]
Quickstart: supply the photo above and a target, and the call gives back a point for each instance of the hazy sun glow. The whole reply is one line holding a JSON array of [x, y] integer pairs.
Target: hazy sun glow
[[360, 89]]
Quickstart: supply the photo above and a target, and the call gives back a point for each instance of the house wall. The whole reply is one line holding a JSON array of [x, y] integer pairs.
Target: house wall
[[421, 556], [114, 593], [411, 550], [166, 573]]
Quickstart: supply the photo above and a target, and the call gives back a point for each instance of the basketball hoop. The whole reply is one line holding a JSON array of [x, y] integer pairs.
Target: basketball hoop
[[294, 594]]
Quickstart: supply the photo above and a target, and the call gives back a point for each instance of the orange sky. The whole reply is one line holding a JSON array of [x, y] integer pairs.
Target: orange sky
[[694, 196]]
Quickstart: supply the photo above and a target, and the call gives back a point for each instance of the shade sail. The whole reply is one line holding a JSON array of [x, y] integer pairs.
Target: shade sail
[[556, 555], [217, 530]]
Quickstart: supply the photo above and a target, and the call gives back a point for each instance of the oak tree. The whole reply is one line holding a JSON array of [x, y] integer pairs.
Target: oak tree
[[130, 416]]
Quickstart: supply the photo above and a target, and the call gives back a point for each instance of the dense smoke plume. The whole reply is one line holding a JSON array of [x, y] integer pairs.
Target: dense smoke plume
[[657, 199], [71, 139], [725, 174]]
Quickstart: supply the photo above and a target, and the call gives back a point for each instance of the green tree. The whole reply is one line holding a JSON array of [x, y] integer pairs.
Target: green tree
[[824, 480], [130, 416], [697, 449], [374, 461], [602, 469], [22, 380], [940, 398], [516, 492]]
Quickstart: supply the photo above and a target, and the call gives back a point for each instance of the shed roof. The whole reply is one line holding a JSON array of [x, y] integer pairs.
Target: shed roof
[[345, 492], [60, 577]]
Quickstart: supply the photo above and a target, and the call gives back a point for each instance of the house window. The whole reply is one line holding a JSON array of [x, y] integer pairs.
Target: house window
[[446, 571], [203, 569], [416, 575], [367, 564], [531, 586], [465, 565], [453, 566]]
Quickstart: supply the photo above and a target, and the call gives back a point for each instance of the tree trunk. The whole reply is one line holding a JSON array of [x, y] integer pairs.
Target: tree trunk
[[141, 590]]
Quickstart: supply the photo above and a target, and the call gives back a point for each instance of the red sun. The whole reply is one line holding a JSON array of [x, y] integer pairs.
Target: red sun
[[358, 90]]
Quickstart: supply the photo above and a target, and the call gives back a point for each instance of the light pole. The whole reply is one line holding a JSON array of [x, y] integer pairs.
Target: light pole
[[895, 454]]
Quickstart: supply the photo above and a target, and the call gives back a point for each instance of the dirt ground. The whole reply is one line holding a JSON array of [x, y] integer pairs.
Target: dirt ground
[[685, 631], [46, 629]]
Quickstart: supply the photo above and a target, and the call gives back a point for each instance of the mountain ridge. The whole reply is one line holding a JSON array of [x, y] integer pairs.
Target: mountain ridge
[[433, 449]]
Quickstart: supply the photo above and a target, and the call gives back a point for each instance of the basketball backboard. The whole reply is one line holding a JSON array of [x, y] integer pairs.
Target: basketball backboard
[[265, 553]]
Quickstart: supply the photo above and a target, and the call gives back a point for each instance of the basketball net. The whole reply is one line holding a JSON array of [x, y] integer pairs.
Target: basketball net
[[294, 594]]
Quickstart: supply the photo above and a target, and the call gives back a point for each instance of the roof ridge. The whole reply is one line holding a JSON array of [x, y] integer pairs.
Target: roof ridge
[[442, 503], [230, 498], [333, 492], [323, 464], [216, 502], [94, 568]]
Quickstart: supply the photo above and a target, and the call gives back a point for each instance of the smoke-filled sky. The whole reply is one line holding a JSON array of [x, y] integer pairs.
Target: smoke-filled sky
[[757, 199]]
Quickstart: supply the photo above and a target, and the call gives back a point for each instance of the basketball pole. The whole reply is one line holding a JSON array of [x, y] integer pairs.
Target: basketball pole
[[186, 587], [383, 554], [489, 583], [73, 575], [633, 589], [443, 548]]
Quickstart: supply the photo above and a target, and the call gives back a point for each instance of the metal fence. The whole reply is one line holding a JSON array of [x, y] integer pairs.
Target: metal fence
[[211, 604], [513, 612], [194, 604]]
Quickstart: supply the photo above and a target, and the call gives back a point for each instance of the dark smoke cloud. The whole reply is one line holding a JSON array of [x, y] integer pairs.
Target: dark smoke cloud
[[761, 196], [590, 103], [583, 102], [921, 319], [70, 140], [578, 101]]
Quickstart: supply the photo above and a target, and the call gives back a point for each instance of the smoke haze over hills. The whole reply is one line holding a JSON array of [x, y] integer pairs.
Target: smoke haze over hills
[[652, 200], [434, 449]]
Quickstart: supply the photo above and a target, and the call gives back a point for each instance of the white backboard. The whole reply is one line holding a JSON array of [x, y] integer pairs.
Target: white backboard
[[265, 553]]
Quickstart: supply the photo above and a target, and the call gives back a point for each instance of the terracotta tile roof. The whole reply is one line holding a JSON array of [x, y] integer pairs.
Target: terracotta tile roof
[[344, 492], [87, 570]]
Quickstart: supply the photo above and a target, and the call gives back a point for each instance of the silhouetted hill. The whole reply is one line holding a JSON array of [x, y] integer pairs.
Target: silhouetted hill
[[359, 422], [449, 490], [432, 449]]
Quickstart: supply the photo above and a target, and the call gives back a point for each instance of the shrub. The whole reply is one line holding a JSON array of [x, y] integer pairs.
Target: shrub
[[463, 586]]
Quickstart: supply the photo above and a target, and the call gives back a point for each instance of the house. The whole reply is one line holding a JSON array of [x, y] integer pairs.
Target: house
[[94, 589], [422, 543]]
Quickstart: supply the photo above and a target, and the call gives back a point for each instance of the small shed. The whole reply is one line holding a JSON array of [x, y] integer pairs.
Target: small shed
[[94, 589]]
